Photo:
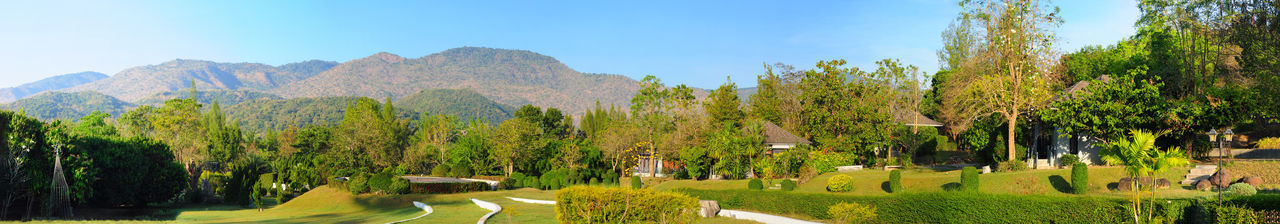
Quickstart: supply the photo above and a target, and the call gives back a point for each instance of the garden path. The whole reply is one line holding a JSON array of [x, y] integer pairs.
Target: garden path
[[486, 205]]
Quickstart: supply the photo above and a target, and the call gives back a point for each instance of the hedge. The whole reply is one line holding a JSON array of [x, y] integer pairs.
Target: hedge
[[447, 188], [969, 179], [636, 183], [589, 204], [755, 184], [930, 207], [788, 185], [1079, 178], [895, 181]]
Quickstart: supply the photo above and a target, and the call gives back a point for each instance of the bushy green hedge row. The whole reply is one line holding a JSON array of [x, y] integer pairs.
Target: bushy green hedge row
[[931, 207], [447, 188], [589, 204]]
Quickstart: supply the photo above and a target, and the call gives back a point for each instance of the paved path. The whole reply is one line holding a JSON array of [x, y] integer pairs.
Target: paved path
[[421, 205], [531, 201], [486, 205], [762, 218]]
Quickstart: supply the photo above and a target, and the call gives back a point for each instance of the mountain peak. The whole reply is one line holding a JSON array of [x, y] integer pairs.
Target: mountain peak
[[385, 57]]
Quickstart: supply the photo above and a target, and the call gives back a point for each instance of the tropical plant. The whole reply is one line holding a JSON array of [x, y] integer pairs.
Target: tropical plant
[[1141, 158]]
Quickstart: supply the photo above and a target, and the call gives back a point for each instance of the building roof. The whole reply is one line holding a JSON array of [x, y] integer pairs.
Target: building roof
[[914, 118], [775, 134], [1078, 88]]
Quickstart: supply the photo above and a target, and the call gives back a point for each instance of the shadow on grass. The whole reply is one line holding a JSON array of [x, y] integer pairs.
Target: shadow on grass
[[1113, 186], [953, 186], [1059, 183], [885, 186]]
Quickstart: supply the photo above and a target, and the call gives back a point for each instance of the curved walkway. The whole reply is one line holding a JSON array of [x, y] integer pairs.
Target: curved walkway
[[531, 201], [762, 218], [486, 205], [421, 205]]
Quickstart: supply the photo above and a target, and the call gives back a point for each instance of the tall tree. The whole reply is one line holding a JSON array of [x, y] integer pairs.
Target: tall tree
[[514, 142], [723, 105]]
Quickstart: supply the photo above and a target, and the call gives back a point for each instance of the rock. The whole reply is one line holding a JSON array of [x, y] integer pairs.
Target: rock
[[1163, 183], [986, 169], [1125, 184], [1203, 185], [1255, 181], [1221, 179], [709, 208], [848, 168]]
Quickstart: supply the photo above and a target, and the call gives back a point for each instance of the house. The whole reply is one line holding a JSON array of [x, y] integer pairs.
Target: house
[[1048, 148], [776, 140]]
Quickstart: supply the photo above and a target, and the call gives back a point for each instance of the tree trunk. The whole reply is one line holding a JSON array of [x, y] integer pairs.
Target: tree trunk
[[1013, 122]]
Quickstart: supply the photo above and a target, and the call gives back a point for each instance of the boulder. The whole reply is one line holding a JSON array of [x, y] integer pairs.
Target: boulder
[[1203, 185], [1163, 183], [1125, 184], [1221, 179], [986, 169], [848, 168], [709, 208], [1255, 181]]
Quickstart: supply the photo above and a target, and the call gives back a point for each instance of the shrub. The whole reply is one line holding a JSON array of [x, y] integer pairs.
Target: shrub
[[755, 184], [840, 183], [826, 162], [534, 182], [447, 188], [636, 183], [399, 186], [969, 179], [895, 181], [550, 181], [1232, 214], [380, 182], [1068, 160], [788, 185], [359, 183], [586, 204], [852, 213], [611, 177], [1269, 143], [594, 181], [1079, 178], [508, 183], [441, 170], [462, 172], [1242, 189], [1013, 166]]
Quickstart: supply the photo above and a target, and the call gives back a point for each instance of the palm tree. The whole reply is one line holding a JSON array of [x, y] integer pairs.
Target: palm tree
[[1140, 157]]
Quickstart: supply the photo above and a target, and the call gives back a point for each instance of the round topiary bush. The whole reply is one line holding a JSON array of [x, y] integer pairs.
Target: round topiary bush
[[840, 183], [1068, 160], [534, 183], [788, 185], [755, 184], [1079, 178], [610, 178], [636, 183], [380, 182], [895, 181], [550, 181], [359, 183], [440, 171], [852, 213], [969, 179], [593, 181], [1242, 189], [462, 171]]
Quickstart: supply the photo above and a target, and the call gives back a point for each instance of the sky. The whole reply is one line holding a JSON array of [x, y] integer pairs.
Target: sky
[[700, 43]]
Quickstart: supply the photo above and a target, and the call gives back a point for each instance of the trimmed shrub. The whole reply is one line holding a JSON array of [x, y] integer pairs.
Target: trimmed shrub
[[534, 182], [895, 181], [399, 186], [840, 183], [852, 213], [755, 184], [1013, 166], [587, 204], [636, 183], [440, 171], [359, 183], [594, 181], [788, 185], [610, 178], [1242, 189], [1079, 178], [931, 207], [462, 172], [508, 183], [518, 178], [380, 183], [447, 188], [1068, 160], [969, 179]]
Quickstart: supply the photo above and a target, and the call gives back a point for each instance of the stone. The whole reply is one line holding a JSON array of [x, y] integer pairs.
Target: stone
[[1163, 183], [848, 168], [1203, 185], [1125, 184], [709, 208], [1221, 179], [986, 169], [1255, 181]]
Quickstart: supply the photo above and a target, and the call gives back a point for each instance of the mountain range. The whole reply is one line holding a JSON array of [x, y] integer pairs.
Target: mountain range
[[52, 83], [507, 78]]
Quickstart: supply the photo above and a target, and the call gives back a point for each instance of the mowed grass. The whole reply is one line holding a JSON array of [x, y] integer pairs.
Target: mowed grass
[[1033, 182]]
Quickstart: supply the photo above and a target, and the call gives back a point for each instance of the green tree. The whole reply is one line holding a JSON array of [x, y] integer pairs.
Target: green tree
[[844, 109], [370, 136], [723, 105], [225, 141], [514, 141], [1141, 158]]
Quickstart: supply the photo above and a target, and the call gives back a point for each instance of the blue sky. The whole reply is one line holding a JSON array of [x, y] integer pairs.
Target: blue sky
[[692, 42]]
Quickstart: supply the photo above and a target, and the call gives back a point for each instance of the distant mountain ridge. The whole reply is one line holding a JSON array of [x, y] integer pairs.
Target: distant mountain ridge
[[69, 106], [135, 83], [52, 83]]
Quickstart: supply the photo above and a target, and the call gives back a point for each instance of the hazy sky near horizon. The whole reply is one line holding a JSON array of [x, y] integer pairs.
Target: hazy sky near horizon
[[692, 42]]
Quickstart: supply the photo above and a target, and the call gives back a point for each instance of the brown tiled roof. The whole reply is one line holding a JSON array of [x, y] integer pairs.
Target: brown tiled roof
[[775, 134], [914, 118]]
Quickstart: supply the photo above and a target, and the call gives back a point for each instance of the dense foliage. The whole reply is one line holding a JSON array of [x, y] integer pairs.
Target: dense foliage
[[969, 179], [840, 183], [585, 204]]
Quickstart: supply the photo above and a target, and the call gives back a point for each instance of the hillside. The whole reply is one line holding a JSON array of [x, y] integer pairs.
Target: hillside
[[464, 104], [69, 106], [224, 97], [135, 83], [512, 77], [264, 114], [52, 83]]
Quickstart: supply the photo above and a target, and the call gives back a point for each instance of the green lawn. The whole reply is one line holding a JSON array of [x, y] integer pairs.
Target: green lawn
[[1036, 182]]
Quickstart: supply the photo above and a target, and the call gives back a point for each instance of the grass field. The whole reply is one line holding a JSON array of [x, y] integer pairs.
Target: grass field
[[1034, 182]]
